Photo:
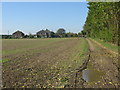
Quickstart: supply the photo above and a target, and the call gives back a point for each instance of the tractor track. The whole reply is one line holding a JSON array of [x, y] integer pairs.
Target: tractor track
[[81, 68], [79, 74], [100, 61]]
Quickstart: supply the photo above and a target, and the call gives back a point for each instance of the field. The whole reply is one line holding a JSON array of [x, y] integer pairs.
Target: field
[[42, 63], [59, 63]]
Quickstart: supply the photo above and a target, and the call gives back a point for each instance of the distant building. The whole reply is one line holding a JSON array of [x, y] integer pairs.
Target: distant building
[[44, 34], [18, 34]]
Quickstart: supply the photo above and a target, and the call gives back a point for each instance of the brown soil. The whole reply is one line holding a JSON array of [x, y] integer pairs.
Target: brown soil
[[58, 65], [102, 60], [46, 66]]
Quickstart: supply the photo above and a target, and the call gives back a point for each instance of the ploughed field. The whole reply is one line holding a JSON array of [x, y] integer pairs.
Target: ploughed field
[[42, 63]]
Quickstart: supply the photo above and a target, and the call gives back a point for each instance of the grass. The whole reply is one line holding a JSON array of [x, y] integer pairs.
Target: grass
[[108, 45], [4, 60]]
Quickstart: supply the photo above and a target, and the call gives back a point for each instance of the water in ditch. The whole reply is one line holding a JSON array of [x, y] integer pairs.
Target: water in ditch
[[91, 75]]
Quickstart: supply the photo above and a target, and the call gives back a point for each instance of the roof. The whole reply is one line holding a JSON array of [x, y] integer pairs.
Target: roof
[[44, 31], [18, 32]]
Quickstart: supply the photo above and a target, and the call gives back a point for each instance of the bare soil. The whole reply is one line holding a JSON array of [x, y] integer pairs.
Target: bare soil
[[58, 64], [51, 65], [103, 61]]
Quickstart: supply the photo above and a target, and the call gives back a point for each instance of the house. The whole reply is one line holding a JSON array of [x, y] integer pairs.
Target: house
[[48, 32], [18, 34], [44, 33]]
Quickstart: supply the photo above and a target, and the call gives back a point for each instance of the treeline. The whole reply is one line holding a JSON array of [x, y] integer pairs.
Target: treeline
[[5, 36], [103, 21], [61, 33]]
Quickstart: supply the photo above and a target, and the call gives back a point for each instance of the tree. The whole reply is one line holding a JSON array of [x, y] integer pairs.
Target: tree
[[31, 36], [53, 34], [103, 21], [26, 36], [79, 34], [61, 32]]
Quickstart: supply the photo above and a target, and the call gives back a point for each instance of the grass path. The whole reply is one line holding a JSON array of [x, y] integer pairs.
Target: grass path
[[111, 48]]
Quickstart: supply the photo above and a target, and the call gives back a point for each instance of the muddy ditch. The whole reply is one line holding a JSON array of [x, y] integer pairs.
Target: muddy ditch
[[87, 73], [79, 80], [100, 71]]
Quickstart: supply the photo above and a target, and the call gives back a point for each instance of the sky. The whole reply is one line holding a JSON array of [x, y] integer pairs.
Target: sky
[[31, 17]]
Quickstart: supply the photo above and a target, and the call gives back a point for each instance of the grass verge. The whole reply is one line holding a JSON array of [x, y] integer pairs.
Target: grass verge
[[107, 45]]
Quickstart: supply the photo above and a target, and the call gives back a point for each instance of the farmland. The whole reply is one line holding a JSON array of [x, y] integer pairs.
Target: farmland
[[42, 63], [59, 63]]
